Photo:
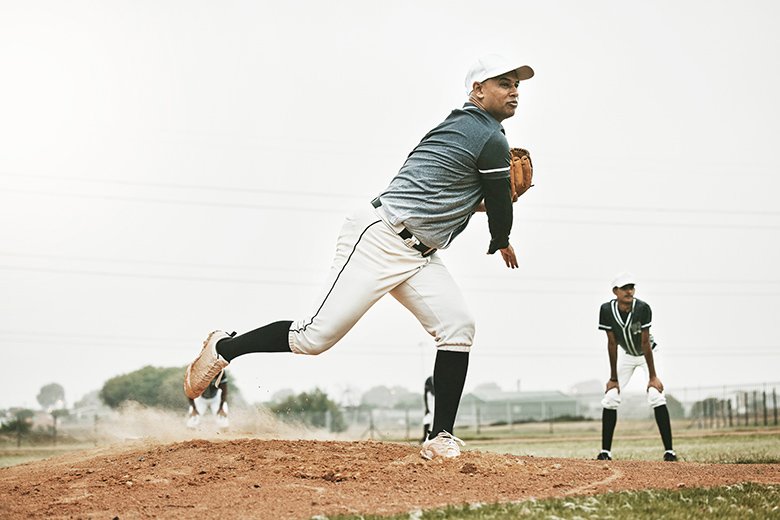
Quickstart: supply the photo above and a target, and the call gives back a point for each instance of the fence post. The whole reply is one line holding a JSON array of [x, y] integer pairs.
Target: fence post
[[478, 418], [755, 408], [766, 422], [731, 418], [774, 403], [713, 413], [747, 410]]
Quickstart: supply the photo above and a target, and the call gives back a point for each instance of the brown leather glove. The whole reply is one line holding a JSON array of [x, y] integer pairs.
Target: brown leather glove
[[521, 172]]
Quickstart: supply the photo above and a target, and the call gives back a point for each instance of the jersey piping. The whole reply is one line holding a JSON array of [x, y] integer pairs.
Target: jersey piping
[[354, 248]]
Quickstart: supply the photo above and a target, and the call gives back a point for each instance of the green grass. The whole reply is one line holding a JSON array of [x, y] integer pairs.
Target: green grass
[[744, 501], [10, 457], [634, 440]]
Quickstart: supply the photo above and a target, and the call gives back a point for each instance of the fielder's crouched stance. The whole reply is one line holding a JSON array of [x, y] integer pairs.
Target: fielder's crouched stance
[[389, 245], [627, 321], [214, 400]]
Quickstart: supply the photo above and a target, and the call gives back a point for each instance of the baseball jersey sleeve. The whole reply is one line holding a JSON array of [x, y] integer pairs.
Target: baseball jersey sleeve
[[605, 317], [493, 166], [645, 316]]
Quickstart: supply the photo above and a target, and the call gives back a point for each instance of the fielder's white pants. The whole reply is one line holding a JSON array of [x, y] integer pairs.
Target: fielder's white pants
[[203, 404], [626, 365], [371, 261]]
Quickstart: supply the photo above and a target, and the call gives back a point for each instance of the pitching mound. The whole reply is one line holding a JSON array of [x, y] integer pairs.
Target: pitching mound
[[276, 479]]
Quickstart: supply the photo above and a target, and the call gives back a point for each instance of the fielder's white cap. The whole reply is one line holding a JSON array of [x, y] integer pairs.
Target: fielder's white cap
[[623, 279], [492, 65]]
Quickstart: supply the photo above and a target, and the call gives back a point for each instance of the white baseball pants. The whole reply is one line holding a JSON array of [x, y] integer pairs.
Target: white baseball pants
[[373, 260], [626, 365], [203, 404]]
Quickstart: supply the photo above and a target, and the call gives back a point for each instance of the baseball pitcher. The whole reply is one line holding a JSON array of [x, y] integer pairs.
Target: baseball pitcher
[[390, 245]]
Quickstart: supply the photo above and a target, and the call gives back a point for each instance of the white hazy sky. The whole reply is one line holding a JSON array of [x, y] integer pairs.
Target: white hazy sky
[[171, 167]]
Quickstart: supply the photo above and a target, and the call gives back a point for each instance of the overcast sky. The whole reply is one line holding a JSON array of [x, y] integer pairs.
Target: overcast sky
[[172, 167]]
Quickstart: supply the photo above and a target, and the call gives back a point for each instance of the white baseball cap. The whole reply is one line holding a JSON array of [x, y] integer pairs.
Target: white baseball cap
[[492, 65], [623, 279]]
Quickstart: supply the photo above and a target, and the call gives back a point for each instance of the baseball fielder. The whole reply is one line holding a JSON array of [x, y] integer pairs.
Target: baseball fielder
[[390, 245], [627, 321], [213, 399], [429, 403]]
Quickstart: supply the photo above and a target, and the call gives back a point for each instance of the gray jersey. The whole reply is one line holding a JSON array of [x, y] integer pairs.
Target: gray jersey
[[439, 186]]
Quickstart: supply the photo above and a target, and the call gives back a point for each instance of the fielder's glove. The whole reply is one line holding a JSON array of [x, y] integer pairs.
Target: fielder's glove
[[521, 171]]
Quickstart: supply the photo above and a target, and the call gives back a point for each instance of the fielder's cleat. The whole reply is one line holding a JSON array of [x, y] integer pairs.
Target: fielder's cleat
[[670, 456], [206, 366], [443, 445], [604, 455]]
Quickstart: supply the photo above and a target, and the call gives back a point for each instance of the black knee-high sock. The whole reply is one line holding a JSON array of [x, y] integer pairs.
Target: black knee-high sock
[[608, 422], [271, 338], [449, 373], [664, 425]]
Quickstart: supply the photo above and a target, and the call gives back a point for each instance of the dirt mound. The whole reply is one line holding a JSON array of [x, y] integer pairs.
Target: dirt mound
[[276, 479]]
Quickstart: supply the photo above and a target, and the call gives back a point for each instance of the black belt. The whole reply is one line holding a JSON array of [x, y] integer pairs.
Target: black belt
[[406, 235]]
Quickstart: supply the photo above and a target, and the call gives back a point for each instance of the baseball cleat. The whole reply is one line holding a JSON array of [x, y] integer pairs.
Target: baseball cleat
[[443, 445], [670, 456], [206, 366], [604, 455]]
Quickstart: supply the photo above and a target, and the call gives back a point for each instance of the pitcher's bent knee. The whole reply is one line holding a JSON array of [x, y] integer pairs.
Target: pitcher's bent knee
[[655, 398], [458, 338], [611, 399], [309, 342]]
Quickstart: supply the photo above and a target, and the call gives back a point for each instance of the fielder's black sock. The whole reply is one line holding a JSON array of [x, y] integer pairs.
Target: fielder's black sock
[[449, 372], [664, 425], [608, 422], [271, 338]]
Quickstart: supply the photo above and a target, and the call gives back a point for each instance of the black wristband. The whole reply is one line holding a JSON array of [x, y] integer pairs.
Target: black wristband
[[614, 380]]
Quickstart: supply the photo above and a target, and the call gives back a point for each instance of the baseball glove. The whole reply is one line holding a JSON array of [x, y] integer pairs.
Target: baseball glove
[[521, 171]]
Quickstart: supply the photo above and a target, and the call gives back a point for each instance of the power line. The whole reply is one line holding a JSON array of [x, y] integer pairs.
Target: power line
[[197, 203], [497, 278], [180, 186], [327, 195], [369, 349], [339, 210], [245, 281], [405, 345]]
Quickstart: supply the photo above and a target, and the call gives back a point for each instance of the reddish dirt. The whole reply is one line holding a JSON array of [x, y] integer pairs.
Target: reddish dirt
[[279, 479]]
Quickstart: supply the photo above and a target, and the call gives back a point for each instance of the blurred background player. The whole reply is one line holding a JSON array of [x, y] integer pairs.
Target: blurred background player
[[627, 321], [214, 399], [428, 393]]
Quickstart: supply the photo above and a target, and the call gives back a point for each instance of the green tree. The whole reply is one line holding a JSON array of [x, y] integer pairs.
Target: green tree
[[20, 425], [22, 422], [50, 395], [313, 408], [158, 387], [151, 386]]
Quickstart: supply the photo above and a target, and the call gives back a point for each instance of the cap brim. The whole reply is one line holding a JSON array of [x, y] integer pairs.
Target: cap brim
[[524, 72]]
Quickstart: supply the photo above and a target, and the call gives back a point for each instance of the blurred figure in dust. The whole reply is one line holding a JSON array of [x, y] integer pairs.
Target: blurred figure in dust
[[213, 399], [428, 417]]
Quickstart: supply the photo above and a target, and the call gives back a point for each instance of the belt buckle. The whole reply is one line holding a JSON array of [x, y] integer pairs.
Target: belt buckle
[[411, 242]]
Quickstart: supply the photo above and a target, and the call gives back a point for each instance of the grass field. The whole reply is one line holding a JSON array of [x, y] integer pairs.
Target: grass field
[[744, 501], [636, 440]]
